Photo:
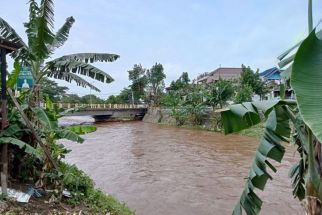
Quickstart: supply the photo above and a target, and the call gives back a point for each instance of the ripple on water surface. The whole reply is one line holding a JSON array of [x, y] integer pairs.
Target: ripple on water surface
[[166, 170]]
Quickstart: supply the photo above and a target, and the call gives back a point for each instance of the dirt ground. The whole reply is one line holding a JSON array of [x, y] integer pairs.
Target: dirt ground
[[40, 207]]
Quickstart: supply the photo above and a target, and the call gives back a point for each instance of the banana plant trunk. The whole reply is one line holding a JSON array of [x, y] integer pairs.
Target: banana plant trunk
[[312, 205], [312, 202], [35, 96]]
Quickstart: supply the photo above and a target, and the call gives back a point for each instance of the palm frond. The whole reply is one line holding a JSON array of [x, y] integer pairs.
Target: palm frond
[[70, 66], [69, 77], [69, 135], [31, 25], [8, 33], [90, 57], [23, 55], [39, 30], [276, 130], [62, 34], [47, 12], [33, 10], [21, 144]]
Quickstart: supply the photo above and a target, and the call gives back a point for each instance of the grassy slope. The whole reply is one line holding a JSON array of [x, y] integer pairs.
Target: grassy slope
[[255, 131]]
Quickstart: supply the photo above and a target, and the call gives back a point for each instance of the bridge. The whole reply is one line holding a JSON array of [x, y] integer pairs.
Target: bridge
[[106, 112]]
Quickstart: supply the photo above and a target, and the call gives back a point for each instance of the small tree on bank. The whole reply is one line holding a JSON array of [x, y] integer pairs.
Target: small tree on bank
[[251, 79], [219, 93], [244, 94]]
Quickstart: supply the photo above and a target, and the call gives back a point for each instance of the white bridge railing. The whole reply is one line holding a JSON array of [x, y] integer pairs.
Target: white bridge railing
[[100, 106]]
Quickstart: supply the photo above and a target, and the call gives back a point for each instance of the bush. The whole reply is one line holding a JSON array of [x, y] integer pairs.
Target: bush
[[82, 190], [244, 94]]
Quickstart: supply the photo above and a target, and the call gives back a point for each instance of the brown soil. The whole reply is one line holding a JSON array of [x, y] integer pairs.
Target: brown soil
[[40, 207]]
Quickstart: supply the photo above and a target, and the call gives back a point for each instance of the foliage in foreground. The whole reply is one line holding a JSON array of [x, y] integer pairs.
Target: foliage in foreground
[[33, 167], [34, 132], [83, 191], [303, 114]]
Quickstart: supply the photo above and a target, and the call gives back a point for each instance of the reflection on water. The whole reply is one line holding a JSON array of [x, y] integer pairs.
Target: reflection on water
[[166, 170]]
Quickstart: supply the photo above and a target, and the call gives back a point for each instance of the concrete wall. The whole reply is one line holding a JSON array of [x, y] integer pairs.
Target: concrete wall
[[157, 115]]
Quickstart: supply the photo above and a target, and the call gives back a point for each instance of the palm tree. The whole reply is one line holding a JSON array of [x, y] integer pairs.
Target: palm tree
[[42, 42]]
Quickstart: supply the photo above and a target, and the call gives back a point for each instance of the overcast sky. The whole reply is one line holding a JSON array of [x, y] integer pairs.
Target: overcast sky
[[184, 35]]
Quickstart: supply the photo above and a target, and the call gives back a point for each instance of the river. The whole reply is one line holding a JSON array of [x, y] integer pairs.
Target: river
[[159, 169]]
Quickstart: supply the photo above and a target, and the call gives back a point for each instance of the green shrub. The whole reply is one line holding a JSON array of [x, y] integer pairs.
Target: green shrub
[[82, 190], [82, 129]]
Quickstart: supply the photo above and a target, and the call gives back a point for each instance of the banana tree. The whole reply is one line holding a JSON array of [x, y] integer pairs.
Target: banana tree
[[295, 121], [43, 41]]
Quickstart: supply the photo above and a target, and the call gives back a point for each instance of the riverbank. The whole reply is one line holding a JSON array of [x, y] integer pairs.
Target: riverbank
[[83, 199], [211, 122], [81, 195]]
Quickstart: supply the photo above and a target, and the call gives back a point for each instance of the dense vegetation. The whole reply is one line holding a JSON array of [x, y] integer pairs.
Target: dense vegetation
[[189, 102], [33, 133], [193, 102]]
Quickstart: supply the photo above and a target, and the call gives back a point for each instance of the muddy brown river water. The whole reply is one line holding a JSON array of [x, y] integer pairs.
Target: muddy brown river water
[[161, 170]]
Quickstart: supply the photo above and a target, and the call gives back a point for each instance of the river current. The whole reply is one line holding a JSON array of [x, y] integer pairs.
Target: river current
[[157, 169]]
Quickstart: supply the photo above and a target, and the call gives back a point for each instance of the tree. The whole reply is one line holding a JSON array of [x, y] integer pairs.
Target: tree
[[91, 99], [123, 98], [139, 81], [112, 100], [181, 83], [42, 43], [51, 89], [219, 93], [185, 78], [304, 69], [155, 79], [194, 104], [71, 98], [250, 78], [244, 94]]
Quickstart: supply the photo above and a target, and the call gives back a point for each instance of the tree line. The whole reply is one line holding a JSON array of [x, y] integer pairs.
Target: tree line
[[148, 86]]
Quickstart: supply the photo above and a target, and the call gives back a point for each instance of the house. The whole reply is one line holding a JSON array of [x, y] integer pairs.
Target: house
[[224, 73], [273, 80], [271, 75]]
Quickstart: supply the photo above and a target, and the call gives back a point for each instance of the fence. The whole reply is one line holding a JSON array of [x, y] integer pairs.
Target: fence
[[99, 106]]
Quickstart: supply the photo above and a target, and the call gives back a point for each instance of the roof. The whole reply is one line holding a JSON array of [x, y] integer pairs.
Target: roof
[[225, 73], [226, 70], [271, 74]]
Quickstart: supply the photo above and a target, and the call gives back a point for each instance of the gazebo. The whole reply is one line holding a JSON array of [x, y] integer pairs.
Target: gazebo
[[6, 47]]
